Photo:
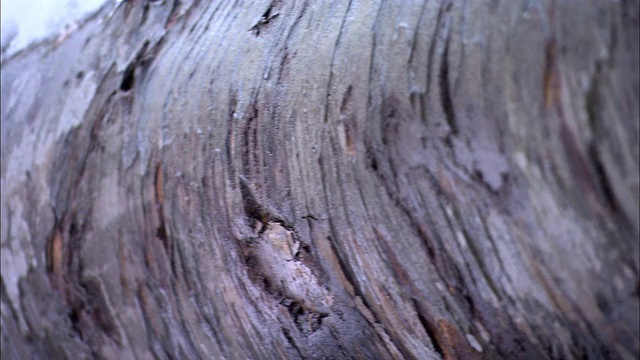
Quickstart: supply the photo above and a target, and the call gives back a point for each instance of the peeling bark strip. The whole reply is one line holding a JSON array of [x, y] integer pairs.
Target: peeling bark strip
[[288, 278], [309, 180], [281, 263]]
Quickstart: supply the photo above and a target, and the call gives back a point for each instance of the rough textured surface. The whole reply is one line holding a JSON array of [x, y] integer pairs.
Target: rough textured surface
[[307, 179]]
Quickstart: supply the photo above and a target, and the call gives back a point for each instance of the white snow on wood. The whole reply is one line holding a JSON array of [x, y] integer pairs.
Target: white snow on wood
[[26, 21]]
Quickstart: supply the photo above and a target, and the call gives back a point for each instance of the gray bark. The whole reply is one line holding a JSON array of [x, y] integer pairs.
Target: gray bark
[[304, 179]]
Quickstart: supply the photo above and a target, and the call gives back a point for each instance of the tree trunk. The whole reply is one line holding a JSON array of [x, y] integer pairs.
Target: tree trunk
[[378, 180]]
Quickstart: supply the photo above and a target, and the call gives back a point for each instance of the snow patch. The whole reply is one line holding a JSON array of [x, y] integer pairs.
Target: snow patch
[[24, 22]]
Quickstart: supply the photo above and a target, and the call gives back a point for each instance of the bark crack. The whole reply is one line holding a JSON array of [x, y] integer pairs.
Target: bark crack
[[265, 20], [445, 92], [333, 56]]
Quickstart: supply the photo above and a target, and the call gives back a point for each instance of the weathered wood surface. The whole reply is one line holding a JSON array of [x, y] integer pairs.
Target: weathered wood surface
[[452, 179]]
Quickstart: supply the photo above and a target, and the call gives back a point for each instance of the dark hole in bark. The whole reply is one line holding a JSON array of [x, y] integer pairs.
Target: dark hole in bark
[[602, 303], [74, 316], [289, 338], [445, 93], [161, 233], [296, 308], [603, 180], [429, 328], [129, 78], [266, 283], [432, 335]]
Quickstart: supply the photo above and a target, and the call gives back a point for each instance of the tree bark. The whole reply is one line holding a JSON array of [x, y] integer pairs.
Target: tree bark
[[386, 179]]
